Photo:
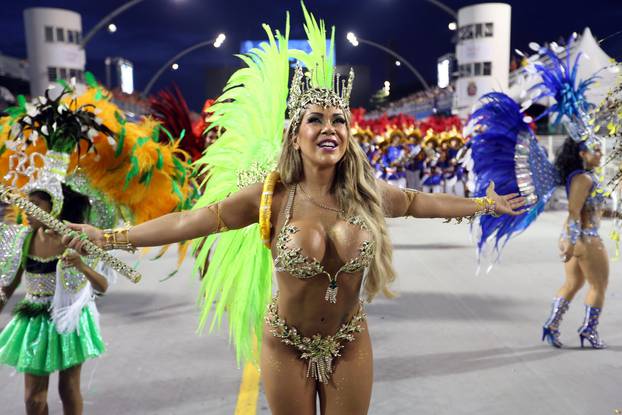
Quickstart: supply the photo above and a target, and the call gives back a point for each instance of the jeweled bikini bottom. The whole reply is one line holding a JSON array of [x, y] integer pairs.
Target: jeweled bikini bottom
[[320, 351]]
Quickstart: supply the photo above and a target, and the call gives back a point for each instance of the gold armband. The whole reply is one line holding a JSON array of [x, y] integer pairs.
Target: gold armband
[[265, 207], [118, 239], [221, 226], [410, 194], [486, 206]]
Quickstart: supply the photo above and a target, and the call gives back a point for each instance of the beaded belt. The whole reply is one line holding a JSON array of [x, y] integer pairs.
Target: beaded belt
[[585, 232], [319, 350], [40, 285]]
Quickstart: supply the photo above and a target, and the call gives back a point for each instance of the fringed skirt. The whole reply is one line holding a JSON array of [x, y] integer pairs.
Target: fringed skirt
[[31, 344]]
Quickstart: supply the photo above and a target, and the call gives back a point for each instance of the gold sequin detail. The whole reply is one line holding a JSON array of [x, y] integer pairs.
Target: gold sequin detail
[[44, 260], [292, 260], [320, 351]]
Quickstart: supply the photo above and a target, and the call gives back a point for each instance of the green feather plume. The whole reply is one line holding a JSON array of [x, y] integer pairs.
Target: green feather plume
[[318, 60], [251, 111]]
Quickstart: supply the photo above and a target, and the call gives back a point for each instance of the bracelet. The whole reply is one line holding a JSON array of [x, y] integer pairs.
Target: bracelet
[[574, 231], [486, 206], [118, 239]]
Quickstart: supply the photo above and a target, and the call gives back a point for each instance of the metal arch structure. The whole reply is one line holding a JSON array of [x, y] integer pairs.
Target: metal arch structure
[[168, 63], [444, 8], [107, 19], [398, 57]]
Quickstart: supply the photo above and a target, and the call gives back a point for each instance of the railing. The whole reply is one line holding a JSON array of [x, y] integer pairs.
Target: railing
[[424, 107], [444, 101]]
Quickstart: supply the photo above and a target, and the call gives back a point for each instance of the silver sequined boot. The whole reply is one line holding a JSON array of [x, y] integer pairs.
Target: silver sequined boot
[[550, 329], [588, 330]]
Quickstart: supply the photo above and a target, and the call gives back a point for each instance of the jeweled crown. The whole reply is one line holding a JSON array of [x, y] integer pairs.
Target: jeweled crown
[[302, 93]]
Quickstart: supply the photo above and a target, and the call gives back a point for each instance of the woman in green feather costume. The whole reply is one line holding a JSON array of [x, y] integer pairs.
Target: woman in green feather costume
[[321, 214]]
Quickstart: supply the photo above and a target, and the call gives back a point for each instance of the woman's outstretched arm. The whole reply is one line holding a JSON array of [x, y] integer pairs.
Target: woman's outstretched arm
[[236, 211], [407, 202]]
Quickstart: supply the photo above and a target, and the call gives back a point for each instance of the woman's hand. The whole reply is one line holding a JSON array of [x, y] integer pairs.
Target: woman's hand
[[509, 204], [82, 233], [566, 250], [72, 259]]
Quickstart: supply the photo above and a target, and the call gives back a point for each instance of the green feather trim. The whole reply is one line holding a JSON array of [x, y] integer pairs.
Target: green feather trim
[[318, 60], [120, 118], [28, 309], [180, 170], [90, 80], [64, 84], [134, 170], [21, 102], [177, 190], [146, 177], [168, 134], [251, 112], [160, 161], [120, 142], [155, 134]]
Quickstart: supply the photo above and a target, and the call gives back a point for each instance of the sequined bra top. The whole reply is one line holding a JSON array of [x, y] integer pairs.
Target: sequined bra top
[[293, 261], [40, 277]]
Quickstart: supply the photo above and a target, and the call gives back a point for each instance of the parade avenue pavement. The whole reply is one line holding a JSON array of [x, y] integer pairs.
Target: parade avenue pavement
[[452, 343]]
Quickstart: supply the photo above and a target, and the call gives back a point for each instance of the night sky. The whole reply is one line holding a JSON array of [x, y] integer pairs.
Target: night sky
[[155, 30]]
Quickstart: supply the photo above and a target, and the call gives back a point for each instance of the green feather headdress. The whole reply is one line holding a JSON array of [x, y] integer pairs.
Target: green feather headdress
[[319, 85]]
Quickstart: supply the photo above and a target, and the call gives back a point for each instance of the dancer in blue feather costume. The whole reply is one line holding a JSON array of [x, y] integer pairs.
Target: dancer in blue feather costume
[[505, 150]]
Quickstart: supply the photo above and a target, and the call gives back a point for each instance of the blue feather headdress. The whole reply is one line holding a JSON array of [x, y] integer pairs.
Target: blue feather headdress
[[559, 81]]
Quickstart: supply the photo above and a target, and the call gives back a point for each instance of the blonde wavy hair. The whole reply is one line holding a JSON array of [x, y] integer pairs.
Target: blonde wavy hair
[[357, 193]]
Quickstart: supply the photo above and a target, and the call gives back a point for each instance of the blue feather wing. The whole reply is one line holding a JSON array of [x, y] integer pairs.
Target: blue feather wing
[[504, 150]]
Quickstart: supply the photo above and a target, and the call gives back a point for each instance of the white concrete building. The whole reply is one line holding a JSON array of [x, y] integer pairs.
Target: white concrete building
[[482, 52], [53, 43]]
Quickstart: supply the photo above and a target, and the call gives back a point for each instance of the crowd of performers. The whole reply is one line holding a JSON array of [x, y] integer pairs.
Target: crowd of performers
[[417, 155], [256, 193]]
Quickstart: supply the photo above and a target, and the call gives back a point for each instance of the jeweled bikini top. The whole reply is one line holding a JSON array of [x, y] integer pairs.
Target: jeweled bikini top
[[40, 276], [294, 262]]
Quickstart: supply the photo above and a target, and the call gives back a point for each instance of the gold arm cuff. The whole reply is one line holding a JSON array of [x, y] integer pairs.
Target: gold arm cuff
[[411, 195], [221, 226], [265, 207]]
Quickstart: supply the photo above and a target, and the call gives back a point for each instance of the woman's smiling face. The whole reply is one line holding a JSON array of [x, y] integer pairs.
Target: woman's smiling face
[[323, 136]]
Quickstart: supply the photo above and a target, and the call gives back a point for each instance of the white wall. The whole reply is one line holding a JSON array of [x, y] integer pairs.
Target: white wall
[[482, 52], [65, 55]]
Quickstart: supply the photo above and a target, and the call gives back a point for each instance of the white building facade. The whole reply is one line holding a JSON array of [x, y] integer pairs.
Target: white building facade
[[482, 52], [53, 43]]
